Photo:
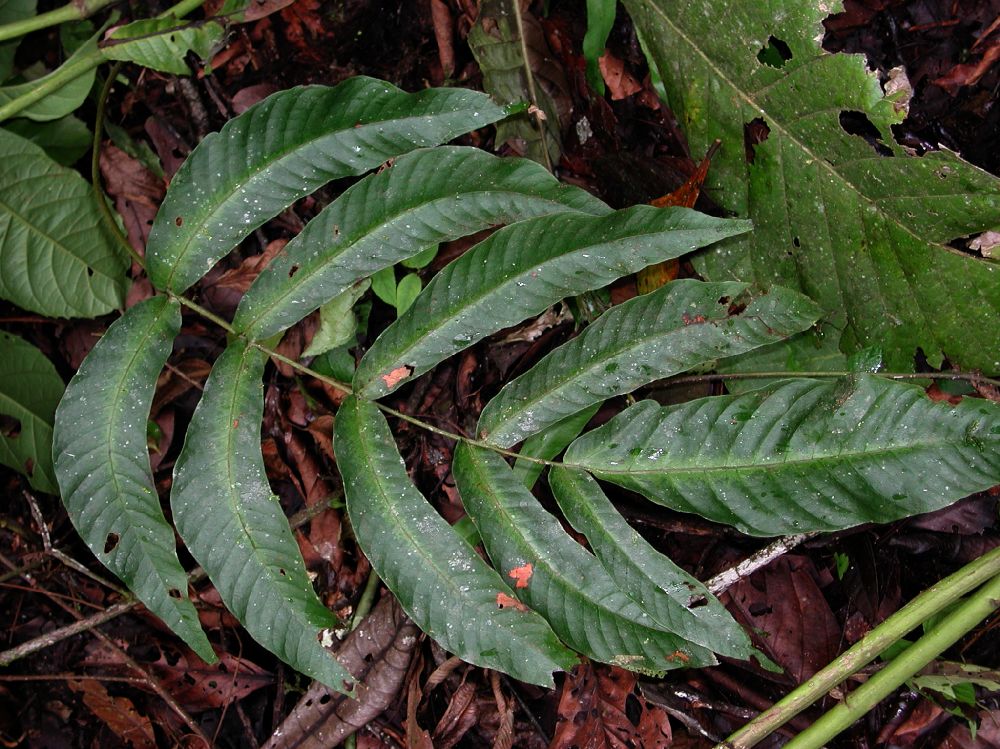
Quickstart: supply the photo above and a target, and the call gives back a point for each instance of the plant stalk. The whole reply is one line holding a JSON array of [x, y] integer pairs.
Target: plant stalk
[[75, 11], [52, 83], [948, 631], [927, 604]]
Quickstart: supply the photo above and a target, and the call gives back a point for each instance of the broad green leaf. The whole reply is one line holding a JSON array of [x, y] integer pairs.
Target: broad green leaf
[[496, 43], [518, 272], [102, 464], [800, 455], [677, 327], [559, 578], [440, 581], [600, 20], [676, 600], [65, 140], [426, 197], [864, 234], [549, 442], [162, 43], [338, 324], [407, 290], [56, 258], [422, 259], [10, 11], [234, 526], [286, 147], [30, 389], [384, 285], [64, 100]]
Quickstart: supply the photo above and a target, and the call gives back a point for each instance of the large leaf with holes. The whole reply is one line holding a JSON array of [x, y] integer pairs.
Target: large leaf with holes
[[677, 327], [426, 197], [862, 227], [522, 269], [102, 464], [800, 455], [440, 581], [675, 599], [286, 147], [56, 258], [559, 578], [234, 526], [162, 43], [30, 389]]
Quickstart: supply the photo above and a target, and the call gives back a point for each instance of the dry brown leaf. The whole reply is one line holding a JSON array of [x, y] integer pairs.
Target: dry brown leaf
[[784, 602], [117, 713], [594, 709], [619, 81], [137, 193]]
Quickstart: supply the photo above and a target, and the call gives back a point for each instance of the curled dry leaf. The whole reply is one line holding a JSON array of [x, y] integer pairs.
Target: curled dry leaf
[[377, 654]]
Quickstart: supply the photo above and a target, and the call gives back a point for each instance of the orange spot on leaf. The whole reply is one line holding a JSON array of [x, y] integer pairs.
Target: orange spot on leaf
[[521, 575], [504, 600], [679, 655], [236, 423], [397, 375]]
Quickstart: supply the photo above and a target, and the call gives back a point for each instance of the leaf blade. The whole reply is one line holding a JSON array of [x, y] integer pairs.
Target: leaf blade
[[800, 455], [426, 197], [682, 324], [55, 256], [520, 271], [659, 586], [233, 525], [283, 148], [30, 389], [565, 583], [102, 464], [451, 594], [161, 43]]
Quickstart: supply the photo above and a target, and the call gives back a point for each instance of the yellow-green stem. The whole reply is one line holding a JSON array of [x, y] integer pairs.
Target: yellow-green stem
[[916, 612]]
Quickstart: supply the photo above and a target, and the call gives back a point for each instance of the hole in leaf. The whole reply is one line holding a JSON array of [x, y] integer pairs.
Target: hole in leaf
[[760, 609], [282, 572], [293, 270], [111, 542], [736, 307], [775, 53], [723, 300], [179, 221], [633, 709], [174, 593], [325, 699], [697, 602], [90, 272], [348, 686], [857, 123], [796, 242], [754, 132], [9, 426]]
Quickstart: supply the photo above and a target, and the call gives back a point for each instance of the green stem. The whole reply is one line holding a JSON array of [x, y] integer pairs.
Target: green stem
[[74, 11], [366, 601], [52, 82], [944, 634], [95, 170], [181, 9], [917, 611]]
